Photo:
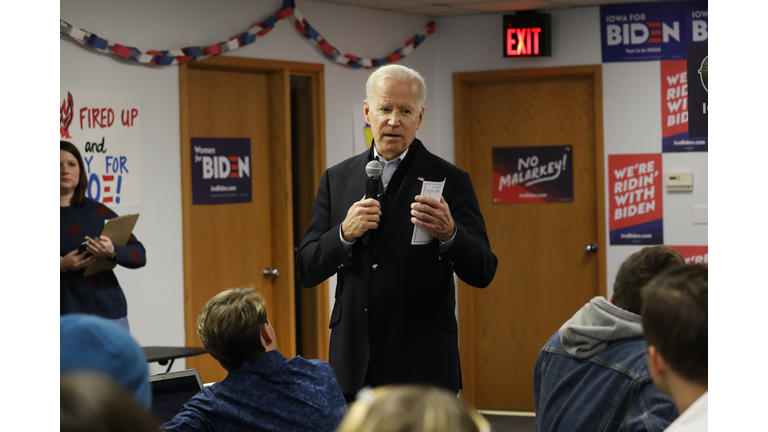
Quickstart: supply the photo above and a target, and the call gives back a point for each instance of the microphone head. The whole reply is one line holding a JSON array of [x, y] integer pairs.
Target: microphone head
[[374, 169]]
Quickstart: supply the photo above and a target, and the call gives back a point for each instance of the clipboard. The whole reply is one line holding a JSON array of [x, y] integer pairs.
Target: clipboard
[[119, 231]]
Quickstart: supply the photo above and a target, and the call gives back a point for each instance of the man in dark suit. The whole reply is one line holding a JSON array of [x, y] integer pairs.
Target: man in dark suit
[[393, 319]]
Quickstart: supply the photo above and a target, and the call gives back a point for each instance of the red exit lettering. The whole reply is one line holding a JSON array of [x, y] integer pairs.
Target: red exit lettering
[[97, 117], [523, 41]]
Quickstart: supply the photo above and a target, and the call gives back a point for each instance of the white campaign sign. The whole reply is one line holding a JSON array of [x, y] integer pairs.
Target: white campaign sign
[[105, 128]]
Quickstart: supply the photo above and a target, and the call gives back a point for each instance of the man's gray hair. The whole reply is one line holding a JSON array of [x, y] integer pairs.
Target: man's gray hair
[[396, 72]]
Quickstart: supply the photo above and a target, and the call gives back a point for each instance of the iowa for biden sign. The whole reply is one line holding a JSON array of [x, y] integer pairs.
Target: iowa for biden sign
[[651, 31]]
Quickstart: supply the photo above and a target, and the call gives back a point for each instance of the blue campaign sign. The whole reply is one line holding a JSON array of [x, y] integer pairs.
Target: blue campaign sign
[[696, 22], [221, 170], [650, 31]]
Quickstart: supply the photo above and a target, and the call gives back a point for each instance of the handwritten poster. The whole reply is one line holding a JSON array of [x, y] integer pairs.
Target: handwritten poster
[[533, 174], [105, 128], [635, 194]]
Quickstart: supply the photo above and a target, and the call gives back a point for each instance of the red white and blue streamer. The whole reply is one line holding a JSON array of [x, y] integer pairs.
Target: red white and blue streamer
[[289, 10]]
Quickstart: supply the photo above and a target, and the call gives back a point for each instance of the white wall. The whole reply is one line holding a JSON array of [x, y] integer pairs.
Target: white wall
[[632, 119], [631, 105], [155, 293]]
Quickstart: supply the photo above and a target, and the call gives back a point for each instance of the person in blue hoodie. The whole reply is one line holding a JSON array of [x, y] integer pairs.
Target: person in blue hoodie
[[592, 374]]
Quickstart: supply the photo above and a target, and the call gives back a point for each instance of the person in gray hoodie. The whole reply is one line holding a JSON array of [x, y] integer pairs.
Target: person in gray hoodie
[[592, 374]]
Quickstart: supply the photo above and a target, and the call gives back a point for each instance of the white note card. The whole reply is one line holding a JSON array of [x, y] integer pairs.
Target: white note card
[[432, 190]]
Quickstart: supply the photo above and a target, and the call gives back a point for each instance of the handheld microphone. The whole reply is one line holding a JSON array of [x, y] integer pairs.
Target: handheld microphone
[[374, 170]]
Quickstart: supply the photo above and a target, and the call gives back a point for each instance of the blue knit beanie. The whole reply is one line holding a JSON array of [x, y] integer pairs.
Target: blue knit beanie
[[92, 343]]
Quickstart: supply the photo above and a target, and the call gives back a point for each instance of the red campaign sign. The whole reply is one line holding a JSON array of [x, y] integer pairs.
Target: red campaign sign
[[635, 189], [674, 97], [694, 254], [675, 104]]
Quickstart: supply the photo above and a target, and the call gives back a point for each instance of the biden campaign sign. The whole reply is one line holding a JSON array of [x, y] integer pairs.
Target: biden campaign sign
[[651, 31], [221, 170]]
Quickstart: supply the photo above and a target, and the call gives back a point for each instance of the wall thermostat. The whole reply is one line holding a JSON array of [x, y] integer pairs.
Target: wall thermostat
[[680, 182]]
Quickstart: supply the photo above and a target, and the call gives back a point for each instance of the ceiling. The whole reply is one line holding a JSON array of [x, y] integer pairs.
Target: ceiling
[[437, 8]]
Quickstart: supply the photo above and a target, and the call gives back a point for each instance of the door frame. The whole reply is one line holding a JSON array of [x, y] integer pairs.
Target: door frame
[[279, 73], [463, 156]]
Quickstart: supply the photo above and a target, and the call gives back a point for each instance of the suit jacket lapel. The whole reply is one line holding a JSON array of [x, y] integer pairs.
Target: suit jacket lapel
[[356, 177]]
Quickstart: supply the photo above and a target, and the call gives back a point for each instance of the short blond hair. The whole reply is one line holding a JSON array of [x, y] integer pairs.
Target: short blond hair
[[397, 72], [411, 408], [229, 326]]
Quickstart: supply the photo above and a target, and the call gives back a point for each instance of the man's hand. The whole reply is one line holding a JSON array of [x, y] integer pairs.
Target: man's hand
[[433, 216], [100, 247], [362, 216], [72, 261]]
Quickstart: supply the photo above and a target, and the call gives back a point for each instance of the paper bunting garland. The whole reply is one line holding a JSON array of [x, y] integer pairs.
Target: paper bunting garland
[[183, 55]]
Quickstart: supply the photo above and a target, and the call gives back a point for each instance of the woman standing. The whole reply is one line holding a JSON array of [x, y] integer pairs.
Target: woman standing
[[82, 220]]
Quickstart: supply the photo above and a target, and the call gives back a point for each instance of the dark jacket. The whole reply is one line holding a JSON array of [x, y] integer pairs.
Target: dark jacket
[[272, 394], [395, 302], [99, 294]]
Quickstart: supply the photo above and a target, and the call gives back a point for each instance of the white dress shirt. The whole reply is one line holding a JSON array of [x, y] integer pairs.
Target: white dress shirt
[[694, 419], [389, 168]]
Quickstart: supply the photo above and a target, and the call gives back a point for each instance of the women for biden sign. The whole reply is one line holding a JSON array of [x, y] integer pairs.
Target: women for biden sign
[[635, 194], [221, 170]]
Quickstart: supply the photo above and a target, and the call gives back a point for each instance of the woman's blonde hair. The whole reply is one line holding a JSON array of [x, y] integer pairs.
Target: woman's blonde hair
[[411, 408]]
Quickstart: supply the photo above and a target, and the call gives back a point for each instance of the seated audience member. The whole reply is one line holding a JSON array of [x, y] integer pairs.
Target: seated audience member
[[592, 373], [92, 343], [675, 320], [263, 391], [93, 402], [411, 408]]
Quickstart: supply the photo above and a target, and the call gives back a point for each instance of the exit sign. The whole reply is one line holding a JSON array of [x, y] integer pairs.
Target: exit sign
[[527, 35]]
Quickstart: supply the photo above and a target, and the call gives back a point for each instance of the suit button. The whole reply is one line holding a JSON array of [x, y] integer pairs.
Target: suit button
[[375, 267], [366, 309]]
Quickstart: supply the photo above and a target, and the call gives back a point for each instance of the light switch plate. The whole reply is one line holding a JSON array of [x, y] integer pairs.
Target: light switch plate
[[700, 214]]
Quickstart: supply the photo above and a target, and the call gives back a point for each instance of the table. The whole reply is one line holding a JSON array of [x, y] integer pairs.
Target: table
[[164, 354]]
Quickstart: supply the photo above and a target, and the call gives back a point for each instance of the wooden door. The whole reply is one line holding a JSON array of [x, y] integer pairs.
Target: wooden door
[[312, 332], [544, 274], [229, 245]]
